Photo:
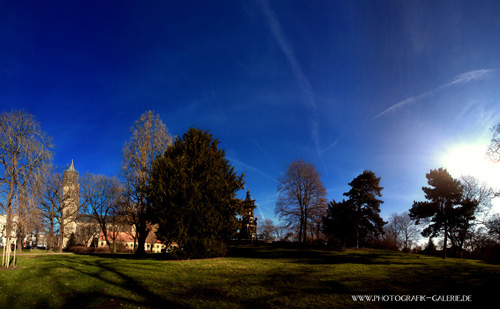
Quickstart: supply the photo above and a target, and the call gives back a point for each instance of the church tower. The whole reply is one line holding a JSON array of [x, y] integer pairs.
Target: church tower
[[71, 200], [248, 230]]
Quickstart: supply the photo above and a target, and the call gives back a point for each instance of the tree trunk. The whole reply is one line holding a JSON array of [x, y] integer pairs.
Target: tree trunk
[[61, 237], [142, 234], [445, 240], [14, 259], [301, 229], [305, 226], [50, 237], [104, 231], [3, 255], [8, 225], [357, 238], [20, 235], [19, 243]]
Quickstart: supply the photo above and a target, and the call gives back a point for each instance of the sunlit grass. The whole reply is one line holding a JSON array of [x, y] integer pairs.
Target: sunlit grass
[[250, 277]]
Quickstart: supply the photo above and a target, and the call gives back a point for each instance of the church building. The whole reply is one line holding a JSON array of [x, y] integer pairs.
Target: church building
[[86, 228], [71, 201]]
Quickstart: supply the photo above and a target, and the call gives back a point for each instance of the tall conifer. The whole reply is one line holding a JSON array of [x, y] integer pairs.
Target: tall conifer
[[193, 195]]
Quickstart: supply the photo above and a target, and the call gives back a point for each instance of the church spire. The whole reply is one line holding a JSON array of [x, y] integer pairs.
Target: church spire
[[72, 166]]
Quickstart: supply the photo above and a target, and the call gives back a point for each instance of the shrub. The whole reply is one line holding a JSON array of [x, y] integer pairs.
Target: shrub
[[200, 249], [491, 253], [83, 250]]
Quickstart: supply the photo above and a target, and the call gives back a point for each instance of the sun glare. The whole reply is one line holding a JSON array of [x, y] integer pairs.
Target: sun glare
[[470, 159]]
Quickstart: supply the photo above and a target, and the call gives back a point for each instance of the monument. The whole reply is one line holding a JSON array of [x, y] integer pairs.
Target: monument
[[248, 229]]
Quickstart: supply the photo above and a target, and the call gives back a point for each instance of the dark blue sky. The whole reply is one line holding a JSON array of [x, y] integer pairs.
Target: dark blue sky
[[397, 87]]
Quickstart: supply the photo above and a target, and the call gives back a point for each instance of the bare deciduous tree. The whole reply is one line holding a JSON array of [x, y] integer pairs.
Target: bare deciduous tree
[[87, 229], [493, 226], [266, 230], [301, 197], [103, 198], [315, 220], [282, 232], [494, 147], [150, 138], [26, 210], [24, 148], [475, 190], [482, 194], [52, 203], [403, 229]]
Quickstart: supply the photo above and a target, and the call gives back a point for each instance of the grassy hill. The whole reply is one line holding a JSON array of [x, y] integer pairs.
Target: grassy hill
[[249, 277]]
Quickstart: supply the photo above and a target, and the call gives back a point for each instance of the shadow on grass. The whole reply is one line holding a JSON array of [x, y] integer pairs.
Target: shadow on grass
[[83, 283], [129, 256], [314, 257], [145, 297], [299, 278]]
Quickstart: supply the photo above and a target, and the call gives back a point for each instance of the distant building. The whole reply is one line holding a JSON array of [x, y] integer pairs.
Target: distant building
[[86, 228], [248, 227], [28, 240], [71, 200], [3, 224], [128, 242]]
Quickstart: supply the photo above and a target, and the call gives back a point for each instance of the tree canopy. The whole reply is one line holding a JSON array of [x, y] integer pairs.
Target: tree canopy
[[24, 150], [149, 139], [352, 222], [363, 195], [192, 191], [444, 209], [339, 223], [301, 197], [103, 197]]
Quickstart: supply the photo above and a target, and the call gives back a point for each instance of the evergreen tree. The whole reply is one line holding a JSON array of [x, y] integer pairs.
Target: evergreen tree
[[339, 223], [364, 190], [441, 210], [71, 241], [431, 247], [192, 194]]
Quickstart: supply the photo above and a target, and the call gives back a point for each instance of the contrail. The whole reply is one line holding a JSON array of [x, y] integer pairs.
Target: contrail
[[251, 168], [297, 71], [459, 79]]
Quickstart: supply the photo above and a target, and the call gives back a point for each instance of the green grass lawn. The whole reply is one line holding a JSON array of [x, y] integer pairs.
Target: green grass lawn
[[249, 277]]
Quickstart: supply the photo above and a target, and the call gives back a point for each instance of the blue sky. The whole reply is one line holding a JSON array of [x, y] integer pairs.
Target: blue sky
[[396, 87]]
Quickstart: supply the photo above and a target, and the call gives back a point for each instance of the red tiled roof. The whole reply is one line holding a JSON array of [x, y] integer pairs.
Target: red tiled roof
[[121, 237]]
